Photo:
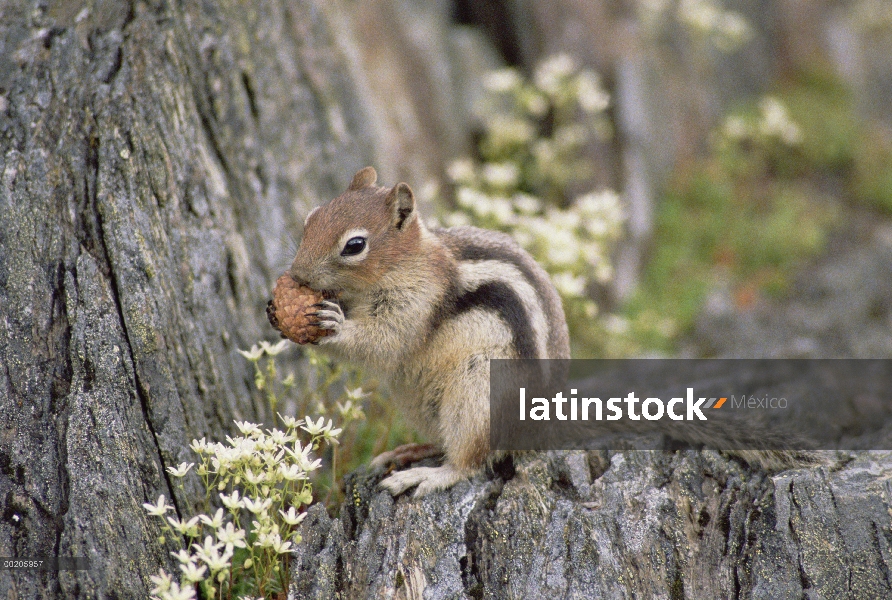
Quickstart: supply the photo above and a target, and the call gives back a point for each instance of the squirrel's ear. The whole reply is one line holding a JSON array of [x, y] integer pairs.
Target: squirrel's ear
[[401, 202], [363, 178]]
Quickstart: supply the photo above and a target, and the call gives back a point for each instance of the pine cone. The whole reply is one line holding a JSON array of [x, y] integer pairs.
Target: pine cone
[[287, 311]]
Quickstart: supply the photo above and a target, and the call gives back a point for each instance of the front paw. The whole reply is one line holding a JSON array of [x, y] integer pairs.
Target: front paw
[[329, 315], [404, 455], [428, 479]]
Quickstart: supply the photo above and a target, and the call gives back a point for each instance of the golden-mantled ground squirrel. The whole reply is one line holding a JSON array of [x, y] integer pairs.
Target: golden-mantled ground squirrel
[[427, 309]]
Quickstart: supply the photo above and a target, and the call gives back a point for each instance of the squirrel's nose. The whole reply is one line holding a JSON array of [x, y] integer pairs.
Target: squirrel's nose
[[299, 274]]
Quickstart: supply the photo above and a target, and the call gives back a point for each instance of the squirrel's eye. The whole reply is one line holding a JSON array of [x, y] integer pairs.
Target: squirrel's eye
[[354, 246]]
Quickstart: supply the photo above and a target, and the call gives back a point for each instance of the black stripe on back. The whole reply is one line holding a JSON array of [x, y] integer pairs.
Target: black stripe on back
[[501, 299], [468, 251]]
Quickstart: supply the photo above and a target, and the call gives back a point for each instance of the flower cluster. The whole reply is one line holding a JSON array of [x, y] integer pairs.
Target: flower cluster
[[706, 20], [772, 123], [335, 390], [726, 29], [261, 478], [535, 130], [533, 151]]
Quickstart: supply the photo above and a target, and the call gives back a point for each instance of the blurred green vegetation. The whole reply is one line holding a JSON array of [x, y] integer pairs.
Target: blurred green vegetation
[[760, 202]]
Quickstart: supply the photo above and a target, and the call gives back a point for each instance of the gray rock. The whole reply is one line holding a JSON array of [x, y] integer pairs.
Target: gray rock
[[625, 525], [154, 160]]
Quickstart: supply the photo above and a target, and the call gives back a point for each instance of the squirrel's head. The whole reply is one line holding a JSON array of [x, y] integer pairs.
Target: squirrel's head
[[359, 237]]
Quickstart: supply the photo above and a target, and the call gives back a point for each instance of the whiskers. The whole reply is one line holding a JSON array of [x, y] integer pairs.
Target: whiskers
[[285, 252]]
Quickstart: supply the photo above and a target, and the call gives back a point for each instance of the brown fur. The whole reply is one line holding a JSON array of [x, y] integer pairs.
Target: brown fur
[[369, 208], [415, 312]]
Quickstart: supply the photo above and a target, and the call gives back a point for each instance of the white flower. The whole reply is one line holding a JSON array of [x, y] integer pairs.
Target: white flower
[[221, 462], [183, 556], [258, 506], [208, 548], [776, 121], [570, 137], [292, 517], [728, 29], [216, 561], [273, 541], [501, 175], [243, 449], [699, 14], [603, 272], [290, 422], [281, 547], [734, 29], [506, 132], [526, 203], [255, 479], [562, 251], [503, 80], [317, 427], [175, 593], [231, 536], [461, 171], [523, 237], [291, 472], [502, 210], [355, 394], [158, 509], [350, 411], [192, 572], [551, 72], [597, 227], [253, 354], [274, 349], [188, 528], [302, 456], [278, 437], [248, 428], [200, 446], [181, 469], [470, 198], [568, 284], [564, 219], [216, 522], [544, 152], [592, 97], [596, 203], [536, 104], [537, 227], [162, 582]]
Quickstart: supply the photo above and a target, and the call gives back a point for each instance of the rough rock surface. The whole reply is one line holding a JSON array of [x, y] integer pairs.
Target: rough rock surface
[[154, 160], [642, 524], [840, 305]]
